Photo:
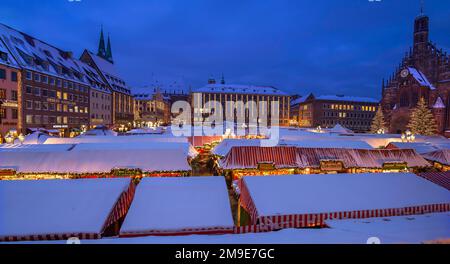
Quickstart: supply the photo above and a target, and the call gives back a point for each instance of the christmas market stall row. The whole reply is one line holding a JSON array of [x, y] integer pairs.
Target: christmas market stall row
[[94, 160], [282, 160], [268, 203]]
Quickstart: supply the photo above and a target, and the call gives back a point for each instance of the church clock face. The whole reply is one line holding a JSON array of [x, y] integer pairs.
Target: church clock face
[[404, 73]]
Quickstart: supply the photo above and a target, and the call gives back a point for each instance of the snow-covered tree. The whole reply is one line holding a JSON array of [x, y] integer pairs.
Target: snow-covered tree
[[378, 123], [422, 121]]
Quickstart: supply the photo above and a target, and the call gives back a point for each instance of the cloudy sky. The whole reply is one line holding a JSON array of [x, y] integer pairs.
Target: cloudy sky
[[300, 46]]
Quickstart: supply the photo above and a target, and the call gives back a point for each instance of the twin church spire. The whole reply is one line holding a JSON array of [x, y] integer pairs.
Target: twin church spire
[[105, 52]]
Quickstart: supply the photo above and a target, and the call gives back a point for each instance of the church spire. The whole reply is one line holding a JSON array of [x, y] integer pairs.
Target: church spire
[[109, 56], [101, 45]]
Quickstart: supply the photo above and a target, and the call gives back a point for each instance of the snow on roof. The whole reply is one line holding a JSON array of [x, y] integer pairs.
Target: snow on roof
[[117, 139], [183, 147], [298, 101], [173, 204], [225, 146], [327, 143], [310, 194], [338, 128], [399, 229], [347, 98], [439, 103], [35, 147], [419, 147], [6, 58], [57, 206], [420, 77], [36, 55], [442, 156], [35, 138], [240, 89], [99, 132], [294, 157], [111, 75], [97, 160]]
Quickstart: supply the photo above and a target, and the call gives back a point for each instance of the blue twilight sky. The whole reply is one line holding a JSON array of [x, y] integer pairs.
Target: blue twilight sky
[[300, 46]]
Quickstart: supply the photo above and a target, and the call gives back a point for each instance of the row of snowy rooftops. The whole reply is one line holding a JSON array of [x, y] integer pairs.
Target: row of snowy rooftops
[[240, 89], [85, 158], [337, 98], [57, 209]]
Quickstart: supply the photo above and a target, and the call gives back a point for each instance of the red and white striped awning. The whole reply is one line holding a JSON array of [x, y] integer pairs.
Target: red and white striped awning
[[264, 223], [439, 178]]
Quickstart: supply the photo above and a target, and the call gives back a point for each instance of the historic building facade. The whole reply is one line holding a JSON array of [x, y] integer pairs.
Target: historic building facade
[[53, 91], [423, 72], [150, 105], [222, 93], [122, 100], [355, 113], [9, 86]]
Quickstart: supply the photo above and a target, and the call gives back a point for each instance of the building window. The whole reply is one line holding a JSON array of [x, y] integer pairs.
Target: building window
[[36, 91], [28, 75], [29, 89], [14, 113], [2, 74], [44, 92], [14, 76], [29, 104], [37, 77], [14, 95], [2, 113], [44, 79], [29, 119], [58, 82], [37, 105], [2, 93], [52, 81]]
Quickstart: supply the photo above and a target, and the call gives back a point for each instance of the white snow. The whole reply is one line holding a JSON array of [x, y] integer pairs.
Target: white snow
[[339, 129], [57, 206], [391, 230], [177, 203], [308, 194], [117, 139], [100, 160], [419, 147], [240, 89], [439, 103], [420, 77]]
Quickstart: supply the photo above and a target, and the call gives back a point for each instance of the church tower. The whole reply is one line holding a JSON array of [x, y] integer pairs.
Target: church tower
[[421, 32], [109, 56], [101, 45]]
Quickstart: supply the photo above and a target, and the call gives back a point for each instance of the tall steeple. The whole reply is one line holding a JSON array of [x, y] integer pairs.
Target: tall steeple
[[109, 56], [101, 45], [421, 30]]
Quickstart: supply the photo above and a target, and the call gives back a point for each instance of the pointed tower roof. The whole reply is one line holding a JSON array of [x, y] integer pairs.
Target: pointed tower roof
[[109, 51], [101, 45], [439, 103]]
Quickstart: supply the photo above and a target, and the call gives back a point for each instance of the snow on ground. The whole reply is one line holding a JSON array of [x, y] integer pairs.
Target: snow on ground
[[116, 139], [57, 206], [308, 194], [399, 229], [177, 203]]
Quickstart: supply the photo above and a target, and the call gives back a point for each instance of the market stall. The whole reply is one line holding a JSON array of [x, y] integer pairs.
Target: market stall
[[440, 159], [91, 161], [295, 201], [60, 209], [281, 160], [179, 206]]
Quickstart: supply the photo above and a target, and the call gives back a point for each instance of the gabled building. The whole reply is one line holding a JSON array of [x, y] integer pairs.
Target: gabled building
[[150, 105], [53, 91], [122, 101], [424, 71], [9, 87]]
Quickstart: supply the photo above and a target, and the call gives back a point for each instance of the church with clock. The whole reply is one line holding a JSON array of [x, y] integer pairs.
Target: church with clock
[[423, 72]]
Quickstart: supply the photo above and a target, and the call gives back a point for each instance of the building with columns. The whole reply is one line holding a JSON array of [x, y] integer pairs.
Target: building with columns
[[222, 93]]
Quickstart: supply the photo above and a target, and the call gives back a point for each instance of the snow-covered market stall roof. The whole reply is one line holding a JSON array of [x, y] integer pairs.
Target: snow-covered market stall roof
[[116, 139], [442, 156], [179, 206], [59, 209], [304, 200], [441, 178], [225, 146], [294, 157], [420, 147], [91, 160]]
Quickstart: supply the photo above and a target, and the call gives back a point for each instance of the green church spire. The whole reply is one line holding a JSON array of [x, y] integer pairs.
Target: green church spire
[[109, 56], [101, 46]]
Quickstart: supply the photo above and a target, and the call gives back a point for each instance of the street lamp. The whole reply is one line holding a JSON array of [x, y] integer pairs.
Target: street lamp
[[408, 136], [21, 138], [9, 139]]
